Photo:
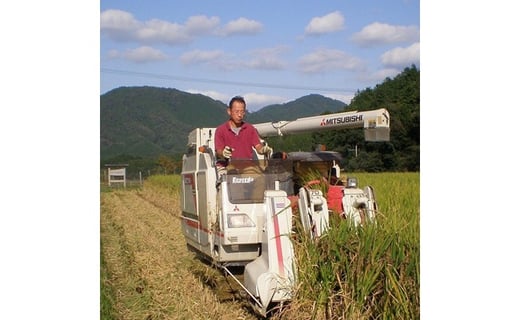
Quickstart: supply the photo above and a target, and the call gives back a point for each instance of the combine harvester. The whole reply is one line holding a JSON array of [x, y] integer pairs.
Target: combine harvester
[[243, 217]]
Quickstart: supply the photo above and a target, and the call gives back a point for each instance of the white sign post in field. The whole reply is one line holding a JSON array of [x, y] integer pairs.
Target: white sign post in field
[[117, 176]]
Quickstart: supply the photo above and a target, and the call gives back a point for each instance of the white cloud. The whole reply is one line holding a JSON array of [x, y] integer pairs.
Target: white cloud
[[215, 95], [323, 60], [139, 55], [259, 59], [267, 59], [118, 24], [265, 63], [331, 22], [200, 56], [159, 31], [341, 97], [402, 57], [215, 60], [201, 25], [144, 54], [382, 33], [381, 75], [122, 26], [255, 101], [241, 26], [114, 54]]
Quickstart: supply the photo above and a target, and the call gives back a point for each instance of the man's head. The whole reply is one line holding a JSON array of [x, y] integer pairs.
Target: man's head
[[237, 110]]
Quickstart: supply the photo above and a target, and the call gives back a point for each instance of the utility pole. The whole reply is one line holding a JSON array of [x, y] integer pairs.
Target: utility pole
[[355, 150]]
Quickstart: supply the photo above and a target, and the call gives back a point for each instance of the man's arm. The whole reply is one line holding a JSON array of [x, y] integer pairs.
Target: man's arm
[[219, 144], [219, 154]]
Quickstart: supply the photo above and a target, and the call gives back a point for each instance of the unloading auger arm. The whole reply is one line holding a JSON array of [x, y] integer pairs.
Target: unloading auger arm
[[376, 124]]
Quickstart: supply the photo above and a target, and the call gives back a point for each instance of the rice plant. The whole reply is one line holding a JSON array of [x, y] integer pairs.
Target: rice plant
[[368, 272]]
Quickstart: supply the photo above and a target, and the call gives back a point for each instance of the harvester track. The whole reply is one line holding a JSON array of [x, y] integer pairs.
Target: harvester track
[[225, 288], [144, 245]]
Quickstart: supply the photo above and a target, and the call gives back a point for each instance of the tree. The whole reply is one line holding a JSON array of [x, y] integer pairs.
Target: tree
[[401, 97], [166, 164]]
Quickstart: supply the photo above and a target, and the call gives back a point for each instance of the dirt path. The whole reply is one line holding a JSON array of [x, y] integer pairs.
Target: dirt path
[[149, 271]]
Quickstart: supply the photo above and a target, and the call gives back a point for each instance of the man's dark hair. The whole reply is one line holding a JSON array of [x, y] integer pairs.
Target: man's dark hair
[[236, 98]]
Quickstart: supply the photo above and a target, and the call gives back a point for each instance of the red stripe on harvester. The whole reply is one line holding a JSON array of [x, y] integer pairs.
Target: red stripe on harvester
[[192, 223], [278, 238], [196, 225]]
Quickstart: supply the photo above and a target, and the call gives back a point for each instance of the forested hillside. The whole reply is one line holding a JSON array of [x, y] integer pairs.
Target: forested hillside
[[401, 97], [149, 126], [310, 105], [148, 121]]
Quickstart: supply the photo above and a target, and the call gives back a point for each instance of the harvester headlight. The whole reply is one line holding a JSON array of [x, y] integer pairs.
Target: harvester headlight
[[239, 220]]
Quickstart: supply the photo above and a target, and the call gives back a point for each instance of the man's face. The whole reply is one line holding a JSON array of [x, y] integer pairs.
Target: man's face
[[237, 112]]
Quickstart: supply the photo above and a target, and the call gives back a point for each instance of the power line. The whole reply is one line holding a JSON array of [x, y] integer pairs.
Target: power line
[[234, 83]]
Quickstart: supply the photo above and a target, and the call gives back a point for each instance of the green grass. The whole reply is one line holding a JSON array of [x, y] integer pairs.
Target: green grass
[[170, 183]]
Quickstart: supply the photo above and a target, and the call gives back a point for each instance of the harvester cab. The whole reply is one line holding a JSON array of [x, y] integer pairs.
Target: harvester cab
[[243, 215]]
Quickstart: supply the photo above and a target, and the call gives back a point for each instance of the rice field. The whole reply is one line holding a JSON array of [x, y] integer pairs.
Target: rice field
[[372, 272]]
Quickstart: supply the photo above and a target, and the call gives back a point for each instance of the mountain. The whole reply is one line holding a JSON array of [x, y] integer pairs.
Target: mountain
[[150, 121], [310, 105]]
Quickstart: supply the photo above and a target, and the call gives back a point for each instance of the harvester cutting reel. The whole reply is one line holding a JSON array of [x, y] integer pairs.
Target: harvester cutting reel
[[348, 201]]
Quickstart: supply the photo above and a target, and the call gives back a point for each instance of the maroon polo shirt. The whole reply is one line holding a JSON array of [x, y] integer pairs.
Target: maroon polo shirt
[[242, 143]]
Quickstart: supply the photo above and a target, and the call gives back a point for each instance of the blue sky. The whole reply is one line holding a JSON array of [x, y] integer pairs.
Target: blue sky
[[52, 57], [267, 51]]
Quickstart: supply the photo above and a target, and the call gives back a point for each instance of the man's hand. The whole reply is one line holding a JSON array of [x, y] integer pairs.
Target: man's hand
[[227, 152], [266, 151]]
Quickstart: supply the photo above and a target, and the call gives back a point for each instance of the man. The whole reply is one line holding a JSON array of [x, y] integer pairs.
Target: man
[[236, 138]]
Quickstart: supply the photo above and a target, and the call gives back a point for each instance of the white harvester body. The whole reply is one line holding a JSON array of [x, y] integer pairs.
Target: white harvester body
[[243, 215]]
